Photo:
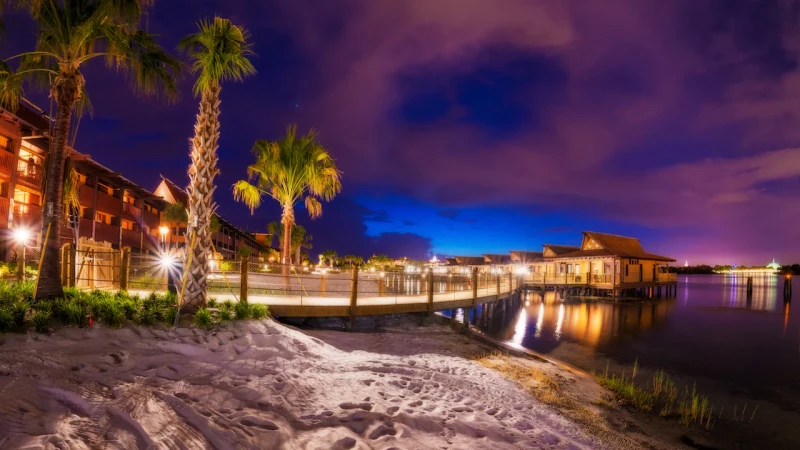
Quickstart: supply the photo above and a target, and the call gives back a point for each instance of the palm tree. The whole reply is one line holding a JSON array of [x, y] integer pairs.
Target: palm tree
[[331, 256], [70, 34], [300, 240], [289, 170], [219, 52]]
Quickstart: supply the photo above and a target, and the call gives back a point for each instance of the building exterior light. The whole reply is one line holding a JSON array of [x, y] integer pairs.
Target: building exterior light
[[163, 230], [167, 261], [22, 235]]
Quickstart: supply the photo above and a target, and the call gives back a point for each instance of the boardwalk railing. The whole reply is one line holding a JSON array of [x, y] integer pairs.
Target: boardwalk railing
[[587, 279], [323, 292]]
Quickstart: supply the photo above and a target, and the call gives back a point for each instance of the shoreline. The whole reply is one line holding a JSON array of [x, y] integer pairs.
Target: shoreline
[[771, 425], [261, 384]]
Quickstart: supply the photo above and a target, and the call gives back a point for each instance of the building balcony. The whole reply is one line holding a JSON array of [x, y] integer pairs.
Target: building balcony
[[4, 202], [87, 196], [131, 212], [108, 204], [104, 232], [133, 238], [667, 277], [8, 163], [27, 215], [30, 178]]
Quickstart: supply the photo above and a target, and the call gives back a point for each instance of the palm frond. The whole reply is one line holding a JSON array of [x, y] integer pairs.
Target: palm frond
[[218, 52], [295, 168], [248, 194]]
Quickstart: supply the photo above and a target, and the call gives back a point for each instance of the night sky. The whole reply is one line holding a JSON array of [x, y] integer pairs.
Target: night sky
[[467, 127]]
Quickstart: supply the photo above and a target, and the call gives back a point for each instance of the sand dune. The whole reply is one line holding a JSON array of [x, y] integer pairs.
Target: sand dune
[[261, 385]]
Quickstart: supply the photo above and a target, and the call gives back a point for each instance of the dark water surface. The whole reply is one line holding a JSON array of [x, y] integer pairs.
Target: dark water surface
[[710, 330]]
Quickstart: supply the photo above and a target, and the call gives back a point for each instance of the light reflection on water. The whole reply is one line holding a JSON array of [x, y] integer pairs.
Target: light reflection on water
[[712, 329]]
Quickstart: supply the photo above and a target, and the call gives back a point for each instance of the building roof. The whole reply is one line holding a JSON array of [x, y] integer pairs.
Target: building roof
[[470, 260], [178, 195], [526, 257], [495, 258], [559, 250], [601, 244], [87, 164]]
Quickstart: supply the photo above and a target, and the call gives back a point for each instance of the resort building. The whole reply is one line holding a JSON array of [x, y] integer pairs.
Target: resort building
[[602, 259], [229, 241], [112, 208]]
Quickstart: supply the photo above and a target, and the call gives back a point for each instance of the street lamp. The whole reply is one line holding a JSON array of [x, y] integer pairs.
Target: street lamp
[[163, 231], [21, 235]]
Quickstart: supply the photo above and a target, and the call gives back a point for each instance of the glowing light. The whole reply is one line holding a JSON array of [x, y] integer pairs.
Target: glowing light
[[22, 235], [212, 264], [560, 322], [539, 321], [434, 260], [519, 329], [167, 261], [163, 230], [522, 270]]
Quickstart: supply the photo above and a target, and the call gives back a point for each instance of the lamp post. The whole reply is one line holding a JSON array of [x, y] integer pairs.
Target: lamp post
[[21, 235], [163, 231]]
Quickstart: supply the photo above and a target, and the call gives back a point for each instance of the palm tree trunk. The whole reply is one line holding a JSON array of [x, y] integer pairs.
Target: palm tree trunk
[[297, 255], [286, 248], [48, 283], [201, 189]]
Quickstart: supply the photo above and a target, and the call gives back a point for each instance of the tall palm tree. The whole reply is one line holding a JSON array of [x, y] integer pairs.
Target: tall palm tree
[[219, 52], [300, 240], [289, 170], [70, 34]]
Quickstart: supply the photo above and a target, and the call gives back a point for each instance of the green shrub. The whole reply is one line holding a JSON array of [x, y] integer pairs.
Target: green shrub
[[6, 319], [147, 317], [203, 318], [242, 310], [19, 309], [259, 311], [212, 302], [227, 304], [169, 315], [225, 314], [131, 307], [108, 311], [41, 320]]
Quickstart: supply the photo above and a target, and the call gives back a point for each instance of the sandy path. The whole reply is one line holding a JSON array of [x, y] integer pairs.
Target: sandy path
[[263, 385]]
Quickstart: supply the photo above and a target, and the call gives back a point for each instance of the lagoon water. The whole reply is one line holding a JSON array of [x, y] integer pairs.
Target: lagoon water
[[711, 331]]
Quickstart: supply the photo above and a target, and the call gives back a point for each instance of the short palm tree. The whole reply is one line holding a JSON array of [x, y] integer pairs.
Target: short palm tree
[[294, 168], [70, 34], [219, 52]]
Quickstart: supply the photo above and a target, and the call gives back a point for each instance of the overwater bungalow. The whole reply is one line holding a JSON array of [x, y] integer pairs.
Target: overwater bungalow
[[603, 261]]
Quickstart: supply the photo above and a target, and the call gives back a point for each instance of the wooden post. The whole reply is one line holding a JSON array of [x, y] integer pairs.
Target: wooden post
[[510, 281], [243, 271], [353, 297], [323, 282], [497, 281], [787, 287], [474, 286], [125, 268], [381, 282], [65, 254], [20, 261], [430, 291]]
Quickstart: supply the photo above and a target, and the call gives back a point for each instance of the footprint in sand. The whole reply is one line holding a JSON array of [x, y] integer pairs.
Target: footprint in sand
[[251, 421], [364, 406], [384, 429]]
